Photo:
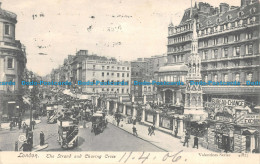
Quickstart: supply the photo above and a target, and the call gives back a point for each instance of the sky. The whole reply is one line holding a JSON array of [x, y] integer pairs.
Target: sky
[[124, 29]]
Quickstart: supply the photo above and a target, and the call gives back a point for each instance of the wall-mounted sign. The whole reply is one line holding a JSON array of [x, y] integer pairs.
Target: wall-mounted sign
[[250, 119], [224, 119], [228, 102]]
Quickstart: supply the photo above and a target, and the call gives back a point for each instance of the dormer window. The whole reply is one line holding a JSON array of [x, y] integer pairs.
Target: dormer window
[[218, 20], [252, 10], [229, 17], [240, 14]]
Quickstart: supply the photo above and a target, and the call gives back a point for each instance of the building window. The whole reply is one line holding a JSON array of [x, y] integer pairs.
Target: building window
[[249, 62], [249, 49], [7, 29], [236, 63], [236, 37], [203, 55], [225, 53], [127, 68], [118, 68], [94, 66], [103, 67], [214, 65], [93, 74], [127, 74], [225, 78], [225, 64], [226, 39], [215, 41], [108, 74], [112, 74], [123, 68], [236, 51], [237, 77], [215, 54], [103, 74], [118, 75], [112, 67], [206, 78], [123, 90], [249, 77], [123, 75], [215, 78], [205, 43], [10, 63], [249, 35], [107, 67]]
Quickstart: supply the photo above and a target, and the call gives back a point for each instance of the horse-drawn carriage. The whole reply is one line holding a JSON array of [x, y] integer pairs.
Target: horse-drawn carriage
[[99, 123]]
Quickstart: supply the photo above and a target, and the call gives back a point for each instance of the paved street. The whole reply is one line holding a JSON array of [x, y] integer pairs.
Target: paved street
[[112, 139]]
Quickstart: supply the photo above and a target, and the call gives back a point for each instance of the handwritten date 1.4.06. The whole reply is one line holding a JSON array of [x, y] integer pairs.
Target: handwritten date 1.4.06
[[172, 157]]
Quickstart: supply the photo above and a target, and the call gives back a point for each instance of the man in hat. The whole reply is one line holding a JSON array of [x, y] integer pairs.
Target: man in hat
[[41, 138], [196, 142], [24, 146]]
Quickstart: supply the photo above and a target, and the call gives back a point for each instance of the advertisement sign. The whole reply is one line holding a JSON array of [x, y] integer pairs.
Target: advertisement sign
[[129, 112], [228, 102], [166, 123], [250, 119]]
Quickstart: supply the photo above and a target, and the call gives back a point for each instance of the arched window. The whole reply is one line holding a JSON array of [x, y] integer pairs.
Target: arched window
[[229, 17]]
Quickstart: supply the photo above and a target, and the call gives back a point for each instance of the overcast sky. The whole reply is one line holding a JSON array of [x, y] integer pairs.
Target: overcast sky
[[125, 29]]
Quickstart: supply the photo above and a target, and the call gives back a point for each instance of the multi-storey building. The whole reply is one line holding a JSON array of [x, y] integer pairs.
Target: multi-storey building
[[145, 69], [12, 65], [100, 70], [228, 45]]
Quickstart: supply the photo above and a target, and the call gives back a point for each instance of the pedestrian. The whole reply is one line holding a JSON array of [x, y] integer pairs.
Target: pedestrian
[[33, 124], [175, 131], [24, 146], [11, 125], [41, 138], [134, 131], [186, 140], [152, 130], [16, 146], [118, 121], [196, 142], [149, 130], [27, 131], [20, 124], [30, 141]]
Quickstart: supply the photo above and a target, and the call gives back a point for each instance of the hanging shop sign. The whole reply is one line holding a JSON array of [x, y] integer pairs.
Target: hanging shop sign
[[250, 119], [228, 102], [224, 119]]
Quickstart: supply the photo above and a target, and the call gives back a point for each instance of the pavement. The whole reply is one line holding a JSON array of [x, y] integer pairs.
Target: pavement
[[5, 126], [162, 140]]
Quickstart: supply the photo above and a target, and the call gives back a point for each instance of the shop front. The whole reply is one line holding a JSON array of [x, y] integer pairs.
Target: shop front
[[150, 116]]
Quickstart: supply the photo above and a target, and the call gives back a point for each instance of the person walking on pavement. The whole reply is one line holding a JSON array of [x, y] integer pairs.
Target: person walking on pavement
[[118, 121], [20, 124], [41, 138], [152, 130], [11, 125], [33, 124], [196, 142], [135, 131], [175, 131], [186, 140], [16, 146], [149, 130]]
